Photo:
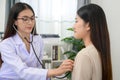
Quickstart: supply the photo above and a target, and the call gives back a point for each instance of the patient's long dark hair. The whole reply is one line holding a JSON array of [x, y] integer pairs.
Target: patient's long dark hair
[[95, 15]]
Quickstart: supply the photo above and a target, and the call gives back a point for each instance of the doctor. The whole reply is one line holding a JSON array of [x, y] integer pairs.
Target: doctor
[[22, 50]]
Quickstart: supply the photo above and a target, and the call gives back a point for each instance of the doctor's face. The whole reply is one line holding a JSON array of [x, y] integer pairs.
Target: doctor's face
[[25, 21], [81, 29]]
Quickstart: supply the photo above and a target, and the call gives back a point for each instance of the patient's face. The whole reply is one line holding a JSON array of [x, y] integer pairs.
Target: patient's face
[[80, 28]]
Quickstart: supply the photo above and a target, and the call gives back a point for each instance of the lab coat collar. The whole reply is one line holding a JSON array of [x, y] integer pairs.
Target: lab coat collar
[[18, 40]]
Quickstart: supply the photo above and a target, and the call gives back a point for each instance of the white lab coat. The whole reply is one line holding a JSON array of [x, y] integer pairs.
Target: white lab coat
[[18, 63]]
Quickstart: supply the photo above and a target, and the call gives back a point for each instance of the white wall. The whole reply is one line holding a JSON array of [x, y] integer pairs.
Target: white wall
[[2, 14], [111, 8]]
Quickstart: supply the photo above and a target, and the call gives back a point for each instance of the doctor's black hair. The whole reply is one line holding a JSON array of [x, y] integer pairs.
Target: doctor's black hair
[[14, 12]]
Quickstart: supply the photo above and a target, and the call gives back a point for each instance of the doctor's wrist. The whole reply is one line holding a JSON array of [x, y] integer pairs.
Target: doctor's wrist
[[52, 73]]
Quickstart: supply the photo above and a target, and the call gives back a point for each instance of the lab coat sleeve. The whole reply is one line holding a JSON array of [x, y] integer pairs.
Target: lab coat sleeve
[[10, 57], [82, 68]]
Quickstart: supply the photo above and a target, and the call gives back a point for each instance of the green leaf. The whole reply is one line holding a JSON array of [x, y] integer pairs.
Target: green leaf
[[70, 29], [68, 40], [69, 76], [77, 46], [69, 52]]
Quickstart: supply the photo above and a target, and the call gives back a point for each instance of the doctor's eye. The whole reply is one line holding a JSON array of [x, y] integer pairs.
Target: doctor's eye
[[24, 19], [27, 19]]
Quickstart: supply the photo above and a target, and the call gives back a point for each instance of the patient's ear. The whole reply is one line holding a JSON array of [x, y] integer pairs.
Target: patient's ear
[[87, 26]]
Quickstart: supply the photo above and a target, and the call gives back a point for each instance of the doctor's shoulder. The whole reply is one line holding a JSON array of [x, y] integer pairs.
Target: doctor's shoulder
[[38, 38], [8, 42]]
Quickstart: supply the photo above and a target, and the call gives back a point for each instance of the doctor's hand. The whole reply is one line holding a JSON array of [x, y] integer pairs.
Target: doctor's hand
[[67, 65]]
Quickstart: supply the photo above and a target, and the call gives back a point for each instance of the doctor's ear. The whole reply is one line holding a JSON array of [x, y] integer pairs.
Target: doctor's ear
[[15, 23]]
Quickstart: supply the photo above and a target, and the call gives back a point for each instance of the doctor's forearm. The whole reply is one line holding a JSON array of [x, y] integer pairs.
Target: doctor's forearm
[[52, 73], [67, 65]]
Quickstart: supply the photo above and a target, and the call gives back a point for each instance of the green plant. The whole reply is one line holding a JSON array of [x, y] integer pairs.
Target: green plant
[[77, 45]]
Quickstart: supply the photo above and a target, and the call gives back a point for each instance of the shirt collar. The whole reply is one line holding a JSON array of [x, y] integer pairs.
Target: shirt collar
[[18, 40]]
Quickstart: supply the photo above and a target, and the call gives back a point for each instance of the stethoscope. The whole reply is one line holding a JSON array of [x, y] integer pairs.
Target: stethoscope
[[31, 43], [43, 66], [41, 63]]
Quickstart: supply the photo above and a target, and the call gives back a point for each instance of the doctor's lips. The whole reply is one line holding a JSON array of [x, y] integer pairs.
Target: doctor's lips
[[29, 28]]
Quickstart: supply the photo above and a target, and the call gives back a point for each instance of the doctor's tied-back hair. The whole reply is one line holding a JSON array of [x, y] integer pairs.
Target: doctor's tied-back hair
[[95, 16], [14, 12]]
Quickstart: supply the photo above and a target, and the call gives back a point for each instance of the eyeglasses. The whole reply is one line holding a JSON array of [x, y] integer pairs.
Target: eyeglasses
[[27, 19]]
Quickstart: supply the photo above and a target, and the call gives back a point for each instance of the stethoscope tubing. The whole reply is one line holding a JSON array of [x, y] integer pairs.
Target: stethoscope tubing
[[43, 66]]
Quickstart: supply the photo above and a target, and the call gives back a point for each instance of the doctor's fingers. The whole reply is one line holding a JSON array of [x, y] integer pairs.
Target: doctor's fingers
[[68, 62], [67, 66]]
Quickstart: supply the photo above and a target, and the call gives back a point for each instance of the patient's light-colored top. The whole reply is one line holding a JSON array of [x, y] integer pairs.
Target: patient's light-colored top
[[87, 65]]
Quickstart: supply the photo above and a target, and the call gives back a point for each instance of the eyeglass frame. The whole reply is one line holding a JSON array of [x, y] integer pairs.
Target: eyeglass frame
[[27, 19]]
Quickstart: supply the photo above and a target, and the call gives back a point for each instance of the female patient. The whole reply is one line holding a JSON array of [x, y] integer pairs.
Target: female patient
[[94, 61], [22, 50]]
